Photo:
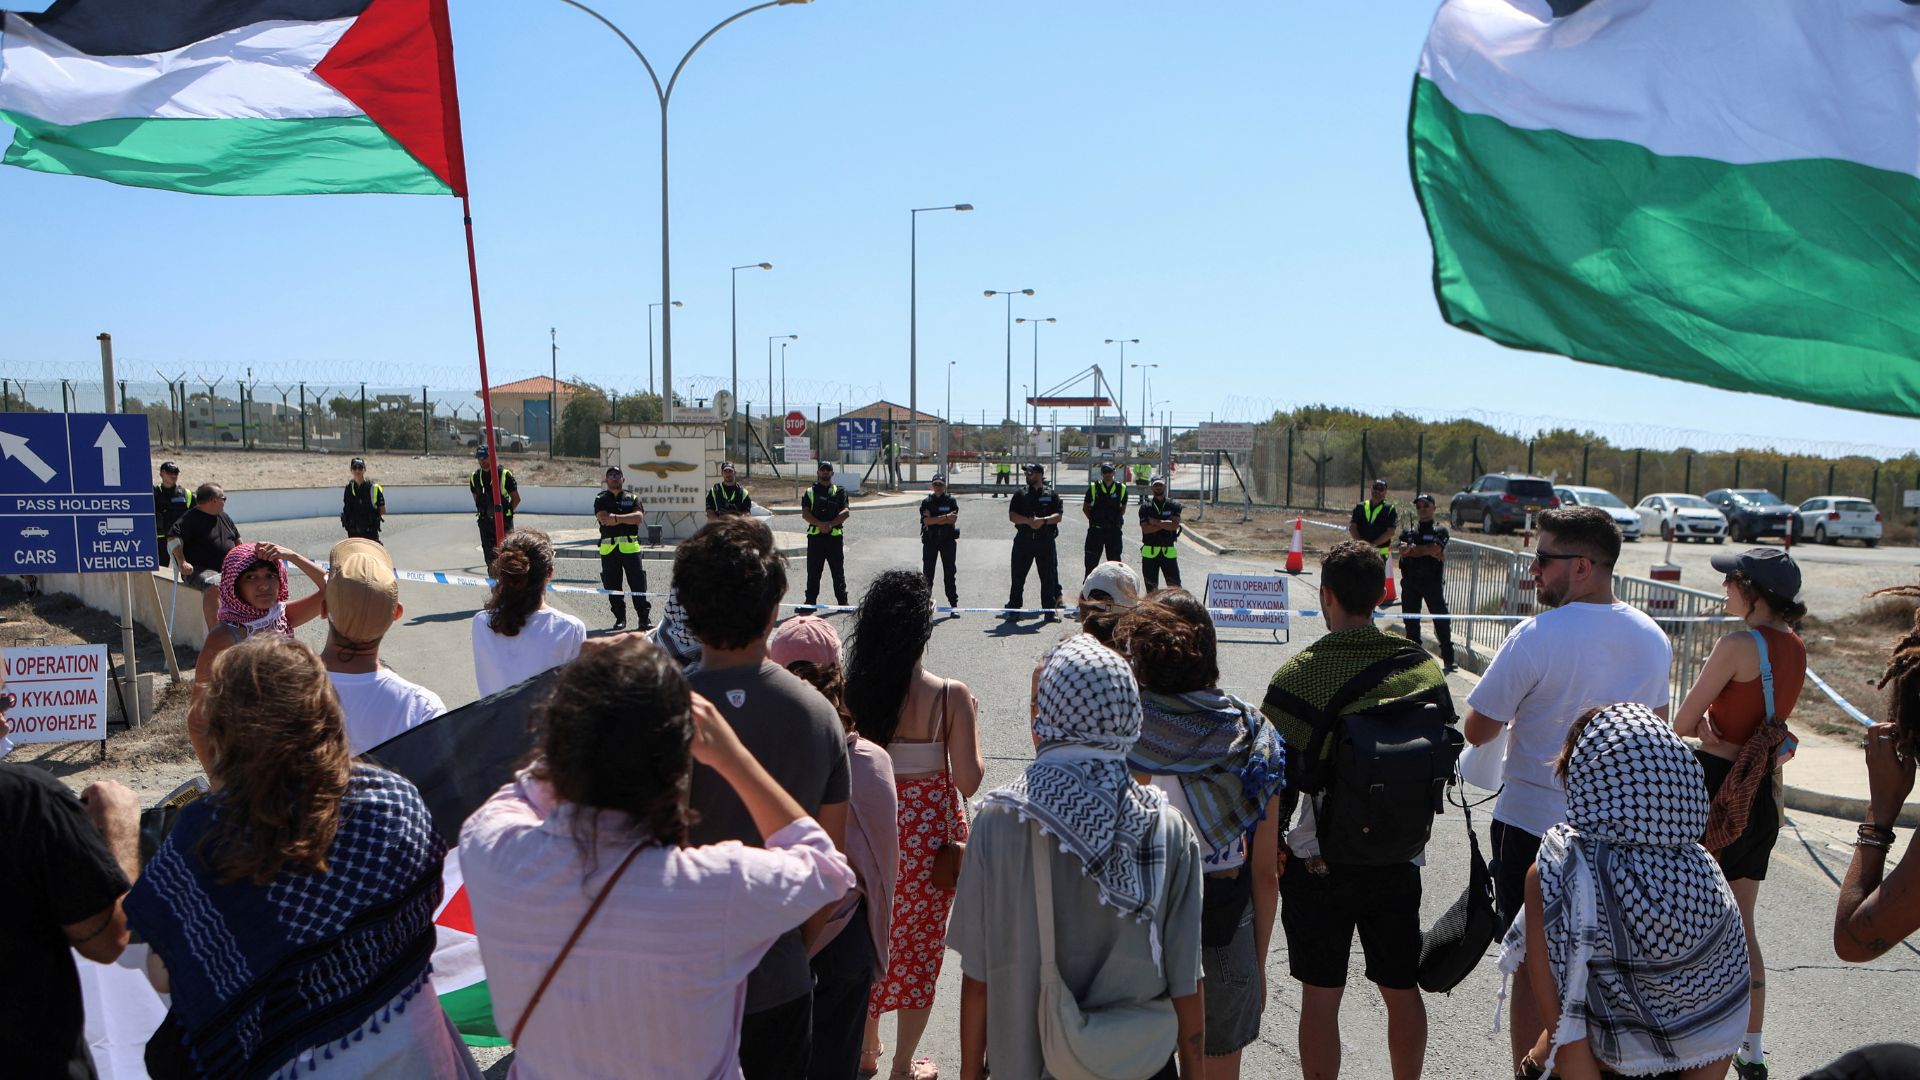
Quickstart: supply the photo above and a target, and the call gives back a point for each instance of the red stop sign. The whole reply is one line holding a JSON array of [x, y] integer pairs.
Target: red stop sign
[[796, 423]]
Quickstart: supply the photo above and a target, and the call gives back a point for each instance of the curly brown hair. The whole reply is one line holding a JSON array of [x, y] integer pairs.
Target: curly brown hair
[[520, 571], [279, 751], [1169, 640], [616, 735], [1902, 674]]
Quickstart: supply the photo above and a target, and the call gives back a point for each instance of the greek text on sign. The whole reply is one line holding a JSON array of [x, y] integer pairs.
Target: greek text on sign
[[1226, 436], [73, 494], [61, 692], [1248, 601], [798, 448]]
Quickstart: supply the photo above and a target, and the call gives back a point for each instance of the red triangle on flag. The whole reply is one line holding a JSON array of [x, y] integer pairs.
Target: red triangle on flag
[[457, 914], [396, 63]]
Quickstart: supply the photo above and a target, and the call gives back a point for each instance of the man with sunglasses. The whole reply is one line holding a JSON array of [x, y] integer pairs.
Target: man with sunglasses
[[1587, 650], [1375, 521]]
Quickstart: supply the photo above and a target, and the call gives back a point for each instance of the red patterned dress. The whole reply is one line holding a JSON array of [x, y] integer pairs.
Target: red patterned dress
[[929, 814]]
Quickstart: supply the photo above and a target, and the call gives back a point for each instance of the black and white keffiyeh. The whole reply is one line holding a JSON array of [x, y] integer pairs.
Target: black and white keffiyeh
[[1642, 933], [673, 636], [1080, 790]]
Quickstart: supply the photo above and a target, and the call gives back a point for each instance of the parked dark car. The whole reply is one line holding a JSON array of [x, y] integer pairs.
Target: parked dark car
[[1752, 513], [1500, 502]]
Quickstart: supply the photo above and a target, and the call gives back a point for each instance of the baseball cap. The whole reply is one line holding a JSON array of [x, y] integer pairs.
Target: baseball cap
[[480, 451], [1033, 466], [827, 465], [168, 466], [1770, 568], [1117, 580], [357, 463], [1379, 483], [361, 590], [1423, 497], [938, 478], [808, 638], [1106, 466], [1159, 480], [727, 466], [615, 470]]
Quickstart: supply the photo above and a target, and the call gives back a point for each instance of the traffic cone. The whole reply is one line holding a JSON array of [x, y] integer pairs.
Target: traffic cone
[[1297, 554], [1390, 597]]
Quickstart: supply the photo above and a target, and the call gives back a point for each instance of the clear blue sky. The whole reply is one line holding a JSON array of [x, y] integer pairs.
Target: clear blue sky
[[1226, 182]]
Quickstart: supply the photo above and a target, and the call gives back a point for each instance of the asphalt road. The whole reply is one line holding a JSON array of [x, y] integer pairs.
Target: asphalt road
[[1819, 1007]]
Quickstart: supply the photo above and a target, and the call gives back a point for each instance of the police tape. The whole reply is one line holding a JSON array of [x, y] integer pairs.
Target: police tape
[[1844, 705]]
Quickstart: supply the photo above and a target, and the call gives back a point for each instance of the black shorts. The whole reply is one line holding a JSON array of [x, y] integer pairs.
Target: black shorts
[[1746, 858], [1320, 914], [1514, 850]]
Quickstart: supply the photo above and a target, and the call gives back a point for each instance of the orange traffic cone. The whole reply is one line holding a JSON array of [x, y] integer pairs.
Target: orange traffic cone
[[1297, 554], [1390, 597]]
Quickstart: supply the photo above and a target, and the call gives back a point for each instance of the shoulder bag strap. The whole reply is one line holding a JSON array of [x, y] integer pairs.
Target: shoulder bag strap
[[1766, 670], [593, 908], [1369, 677], [1043, 896]]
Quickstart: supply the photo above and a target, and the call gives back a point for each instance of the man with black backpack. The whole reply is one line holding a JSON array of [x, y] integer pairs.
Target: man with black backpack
[[1371, 741]]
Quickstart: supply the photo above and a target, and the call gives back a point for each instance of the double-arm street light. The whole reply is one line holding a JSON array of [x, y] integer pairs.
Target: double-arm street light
[[665, 94], [1009, 294], [1031, 403], [1122, 403], [913, 320], [783, 339], [651, 308]]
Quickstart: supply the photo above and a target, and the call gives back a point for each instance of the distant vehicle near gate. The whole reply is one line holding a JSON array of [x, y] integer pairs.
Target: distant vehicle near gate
[[1752, 513], [1679, 516], [1500, 502], [502, 438], [1831, 519], [1615, 507]]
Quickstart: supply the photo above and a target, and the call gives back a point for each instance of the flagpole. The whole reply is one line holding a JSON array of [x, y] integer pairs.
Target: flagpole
[[486, 386]]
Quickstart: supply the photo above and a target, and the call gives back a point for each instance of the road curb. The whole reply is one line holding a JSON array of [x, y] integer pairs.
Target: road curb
[[1205, 544], [1844, 806]]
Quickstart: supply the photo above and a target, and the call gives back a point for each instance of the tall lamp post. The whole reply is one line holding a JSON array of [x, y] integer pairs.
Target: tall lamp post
[[651, 308], [1032, 404], [1009, 294], [1125, 439], [665, 94], [783, 371], [949, 412], [735, 319], [1146, 411], [771, 338], [913, 320]]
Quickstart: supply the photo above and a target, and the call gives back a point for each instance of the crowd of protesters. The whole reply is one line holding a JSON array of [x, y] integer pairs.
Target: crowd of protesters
[[735, 844]]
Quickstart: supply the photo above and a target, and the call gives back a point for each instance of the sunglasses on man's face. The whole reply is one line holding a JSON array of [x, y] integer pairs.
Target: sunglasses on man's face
[[1549, 556]]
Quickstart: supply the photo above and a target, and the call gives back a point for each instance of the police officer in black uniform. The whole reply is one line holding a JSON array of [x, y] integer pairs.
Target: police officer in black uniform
[[727, 498], [171, 502], [1035, 512], [620, 515], [940, 535], [1423, 575], [1159, 529], [480, 485], [1106, 510], [824, 508], [363, 504]]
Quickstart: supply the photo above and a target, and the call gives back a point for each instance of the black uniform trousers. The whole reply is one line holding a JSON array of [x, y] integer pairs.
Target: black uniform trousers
[[830, 552], [1031, 549], [1433, 593], [616, 565], [940, 551], [490, 543], [1102, 541], [1152, 567]]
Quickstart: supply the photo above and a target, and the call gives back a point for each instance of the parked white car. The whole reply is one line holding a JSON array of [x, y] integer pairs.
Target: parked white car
[[1621, 513], [1830, 519], [1678, 516]]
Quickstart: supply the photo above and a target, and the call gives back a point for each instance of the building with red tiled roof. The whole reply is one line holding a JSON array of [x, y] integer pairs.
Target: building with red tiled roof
[[523, 406]]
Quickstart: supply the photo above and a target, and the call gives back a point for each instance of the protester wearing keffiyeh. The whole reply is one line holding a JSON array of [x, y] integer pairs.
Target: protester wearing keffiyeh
[[1642, 933], [237, 612], [1227, 756], [1079, 788]]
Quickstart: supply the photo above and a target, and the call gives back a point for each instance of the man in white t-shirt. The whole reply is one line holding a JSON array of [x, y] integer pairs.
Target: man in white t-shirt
[[362, 601], [1589, 650]]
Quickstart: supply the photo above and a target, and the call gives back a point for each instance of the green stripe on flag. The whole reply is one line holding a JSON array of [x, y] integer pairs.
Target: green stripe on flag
[[471, 1010], [318, 156], [1798, 278]]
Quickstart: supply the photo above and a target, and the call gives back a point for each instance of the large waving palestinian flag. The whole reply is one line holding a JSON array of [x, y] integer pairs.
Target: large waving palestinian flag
[[1721, 191], [236, 97]]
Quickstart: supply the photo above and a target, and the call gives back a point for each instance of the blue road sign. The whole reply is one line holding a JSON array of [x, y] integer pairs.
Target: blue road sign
[[859, 434], [75, 494]]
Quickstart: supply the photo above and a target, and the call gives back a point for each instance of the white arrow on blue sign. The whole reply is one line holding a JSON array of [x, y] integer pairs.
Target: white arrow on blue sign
[[74, 497]]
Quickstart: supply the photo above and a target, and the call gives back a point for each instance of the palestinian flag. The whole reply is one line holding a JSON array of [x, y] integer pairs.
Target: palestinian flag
[[236, 97], [1721, 191]]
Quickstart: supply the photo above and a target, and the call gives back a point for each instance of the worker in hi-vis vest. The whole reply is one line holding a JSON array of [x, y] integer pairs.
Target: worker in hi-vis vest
[[1106, 511], [1375, 522], [620, 515], [1002, 477], [727, 498], [824, 508], [363, 504], [1159, 528]]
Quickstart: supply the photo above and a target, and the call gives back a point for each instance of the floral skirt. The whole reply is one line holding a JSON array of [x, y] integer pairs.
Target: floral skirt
[[929, 815]]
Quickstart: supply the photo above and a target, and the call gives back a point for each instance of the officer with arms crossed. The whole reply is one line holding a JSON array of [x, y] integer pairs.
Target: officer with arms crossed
[[1375, 521], [728, 498], [480, 484], [1422, 552], [1035, 512], [940, 535], [824, 508], [1106, 510], [620, 515], [1159, 528], [170, 503], [362, 505]]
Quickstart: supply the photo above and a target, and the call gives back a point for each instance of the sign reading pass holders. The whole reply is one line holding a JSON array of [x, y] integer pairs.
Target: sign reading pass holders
[[74, 494]]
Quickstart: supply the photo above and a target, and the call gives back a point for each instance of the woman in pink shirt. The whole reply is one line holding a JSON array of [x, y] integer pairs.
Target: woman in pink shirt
[[655, 982]]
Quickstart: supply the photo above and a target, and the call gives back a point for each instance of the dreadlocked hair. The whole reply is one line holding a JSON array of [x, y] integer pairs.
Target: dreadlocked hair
[[1903, 673]]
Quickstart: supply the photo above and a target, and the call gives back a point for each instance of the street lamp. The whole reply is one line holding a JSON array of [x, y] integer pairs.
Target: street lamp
[[950, 364], [1145, 416], [771, 338], [735, 318], [1031, 403], [783, 371], [665, 94], [651, 308], [1122, 403], [1009, 294], [913, 320]]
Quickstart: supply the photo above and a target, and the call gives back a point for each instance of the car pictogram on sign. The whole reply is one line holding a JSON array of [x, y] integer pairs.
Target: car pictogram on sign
[[34, 532]]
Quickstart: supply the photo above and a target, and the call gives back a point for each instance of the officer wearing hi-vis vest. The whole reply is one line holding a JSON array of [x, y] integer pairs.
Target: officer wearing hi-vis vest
[[727, 498], [363, 504], [1036, 514], [620, 515], [480, 486], [1106, 510], [940, 535], [1002, 476], [1375, 521], [824, 508], [1159, 528]]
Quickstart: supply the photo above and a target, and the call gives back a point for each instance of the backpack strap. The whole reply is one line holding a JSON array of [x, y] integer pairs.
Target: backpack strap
[[1766, 670], [1327, 717]]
